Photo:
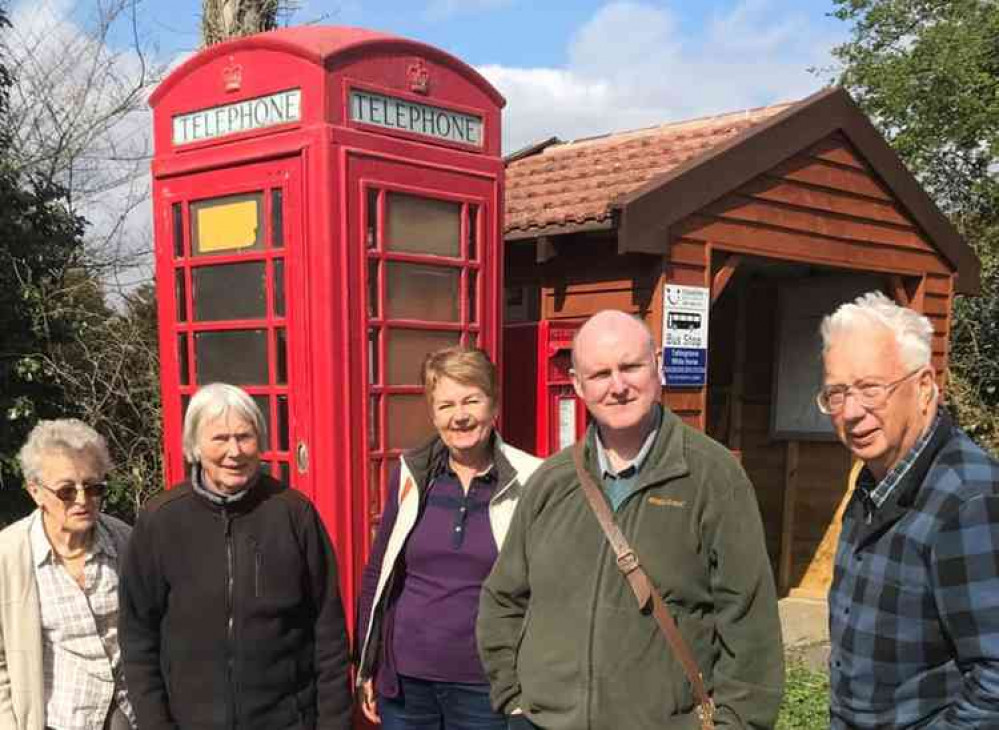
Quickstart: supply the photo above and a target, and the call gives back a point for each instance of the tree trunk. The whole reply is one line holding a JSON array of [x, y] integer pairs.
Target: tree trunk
[[223, 20]]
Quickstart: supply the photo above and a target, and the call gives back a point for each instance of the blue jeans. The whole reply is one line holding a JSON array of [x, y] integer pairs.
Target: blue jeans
[[519, 722], [426, 705]]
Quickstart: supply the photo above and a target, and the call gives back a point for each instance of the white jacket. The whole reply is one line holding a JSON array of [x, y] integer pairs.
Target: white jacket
[[501, 507]]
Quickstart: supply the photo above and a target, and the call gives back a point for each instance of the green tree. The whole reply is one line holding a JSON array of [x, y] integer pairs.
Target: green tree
[[63, 350], [40, 242], [927, 73]]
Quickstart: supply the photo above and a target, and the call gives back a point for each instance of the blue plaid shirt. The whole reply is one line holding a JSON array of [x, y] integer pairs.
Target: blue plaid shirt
[[872, 493], [914, 603]]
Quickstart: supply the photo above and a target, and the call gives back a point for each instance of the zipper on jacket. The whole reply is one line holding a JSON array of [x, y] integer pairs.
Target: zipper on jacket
[[229, 632], [258, 560], [592, 633]]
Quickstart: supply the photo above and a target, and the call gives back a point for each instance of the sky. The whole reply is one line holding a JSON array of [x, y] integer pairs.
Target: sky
[[588, 67], [567, 69]]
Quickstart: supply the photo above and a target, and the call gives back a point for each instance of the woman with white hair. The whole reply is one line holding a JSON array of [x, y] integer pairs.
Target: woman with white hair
[[230, 602], [60, 664]]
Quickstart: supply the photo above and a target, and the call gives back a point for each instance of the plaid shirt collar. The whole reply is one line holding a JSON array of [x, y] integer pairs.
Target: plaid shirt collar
[[873, 494], [41, 548]]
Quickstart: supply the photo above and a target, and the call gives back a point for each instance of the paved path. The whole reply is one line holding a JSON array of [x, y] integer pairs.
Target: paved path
[[805, 626]]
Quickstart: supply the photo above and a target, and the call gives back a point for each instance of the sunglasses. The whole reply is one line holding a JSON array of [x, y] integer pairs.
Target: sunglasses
[[67, 493]]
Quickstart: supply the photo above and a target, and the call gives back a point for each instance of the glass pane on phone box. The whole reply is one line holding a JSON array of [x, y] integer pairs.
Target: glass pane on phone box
[[473, 297], [374, 489], [182, 361], [178, 230], [418, 291], [226, 225], [264, 404], [279, 287], [423, 225], [406, 350], [408, 421], [282, 423], [277, 218], [180, 293], [231, 356], [281, 357], [229, 291], [374, 419], [473, 232]]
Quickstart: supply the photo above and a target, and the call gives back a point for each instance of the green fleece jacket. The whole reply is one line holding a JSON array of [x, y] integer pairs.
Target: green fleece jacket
[[560, 633]]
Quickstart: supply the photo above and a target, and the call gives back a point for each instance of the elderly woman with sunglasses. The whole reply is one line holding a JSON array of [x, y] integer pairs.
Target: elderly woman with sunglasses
[[60, 665]]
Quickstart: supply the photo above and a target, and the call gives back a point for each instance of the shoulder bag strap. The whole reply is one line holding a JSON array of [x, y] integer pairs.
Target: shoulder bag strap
[[641, 585]]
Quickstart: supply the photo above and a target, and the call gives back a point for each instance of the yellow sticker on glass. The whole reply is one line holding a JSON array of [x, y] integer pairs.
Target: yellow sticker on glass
[[227, 226]]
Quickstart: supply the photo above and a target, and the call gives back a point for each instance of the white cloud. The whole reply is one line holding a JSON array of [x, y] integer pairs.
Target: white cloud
[[94, 131], [633, 65]]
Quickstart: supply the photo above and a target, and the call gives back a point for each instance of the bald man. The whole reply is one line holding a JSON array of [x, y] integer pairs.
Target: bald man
[[560, 633]]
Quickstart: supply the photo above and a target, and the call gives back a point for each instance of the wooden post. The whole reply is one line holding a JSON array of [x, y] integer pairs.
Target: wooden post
[[787, 518], [918, 299], [898, 290], [724, 276], [738, 370]]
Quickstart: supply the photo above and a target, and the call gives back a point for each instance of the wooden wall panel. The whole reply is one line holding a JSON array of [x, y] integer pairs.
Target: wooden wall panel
[[582, 301], [777, 243], [824, 478], [936, 284], [828, 175], [849, 227], [814, 198], [825, 206], [763, 461], [686, 275], [835, 148]]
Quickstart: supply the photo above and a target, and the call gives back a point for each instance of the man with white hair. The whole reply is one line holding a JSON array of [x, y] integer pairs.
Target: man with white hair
[[914, 603]]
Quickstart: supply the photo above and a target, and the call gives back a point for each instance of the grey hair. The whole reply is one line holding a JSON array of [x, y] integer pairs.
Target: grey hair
[[67, 435], [913, 332], [212, 401]]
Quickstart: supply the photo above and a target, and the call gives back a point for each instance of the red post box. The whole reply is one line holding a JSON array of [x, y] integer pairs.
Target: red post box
[[327, 210], [542, 413]]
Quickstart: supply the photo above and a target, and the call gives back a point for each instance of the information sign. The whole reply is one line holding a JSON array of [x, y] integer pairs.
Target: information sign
[[686, 310]]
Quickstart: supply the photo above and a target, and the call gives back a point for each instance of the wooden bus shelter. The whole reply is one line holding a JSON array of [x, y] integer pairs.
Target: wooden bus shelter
[[780, 213]]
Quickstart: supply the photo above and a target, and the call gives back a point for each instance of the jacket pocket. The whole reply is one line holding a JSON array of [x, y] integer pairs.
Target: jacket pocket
[[696, 632], [548, 668]]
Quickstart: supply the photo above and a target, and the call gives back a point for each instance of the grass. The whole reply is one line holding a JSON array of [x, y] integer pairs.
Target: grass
[[806, 699]]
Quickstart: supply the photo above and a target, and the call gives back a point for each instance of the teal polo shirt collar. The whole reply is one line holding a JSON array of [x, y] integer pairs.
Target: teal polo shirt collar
[[620, 485]]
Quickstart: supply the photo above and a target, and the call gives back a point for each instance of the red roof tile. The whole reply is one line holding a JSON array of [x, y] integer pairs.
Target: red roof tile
[[577, 183]]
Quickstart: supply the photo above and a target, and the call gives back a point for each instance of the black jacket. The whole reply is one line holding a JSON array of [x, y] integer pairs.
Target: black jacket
[[230, 616]]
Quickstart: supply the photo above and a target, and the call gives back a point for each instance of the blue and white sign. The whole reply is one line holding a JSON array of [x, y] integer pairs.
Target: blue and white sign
[[686, 310]]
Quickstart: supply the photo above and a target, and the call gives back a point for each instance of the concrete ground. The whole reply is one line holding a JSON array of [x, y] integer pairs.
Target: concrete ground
[[805, 626]]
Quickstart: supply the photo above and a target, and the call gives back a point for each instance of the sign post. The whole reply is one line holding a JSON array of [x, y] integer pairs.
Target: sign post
[[685, 336]]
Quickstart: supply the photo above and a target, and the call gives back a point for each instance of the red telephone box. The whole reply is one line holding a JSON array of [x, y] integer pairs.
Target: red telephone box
[[542, 413], [327, 206]]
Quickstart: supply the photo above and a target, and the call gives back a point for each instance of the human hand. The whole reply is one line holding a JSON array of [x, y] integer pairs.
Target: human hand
[[366, 699]]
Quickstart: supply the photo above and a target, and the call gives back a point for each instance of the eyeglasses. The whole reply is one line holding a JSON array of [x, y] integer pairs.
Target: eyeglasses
[[832, 400], [67, 492]]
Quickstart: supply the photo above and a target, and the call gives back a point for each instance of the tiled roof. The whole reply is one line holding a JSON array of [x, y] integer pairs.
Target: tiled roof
[[577, 183]]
